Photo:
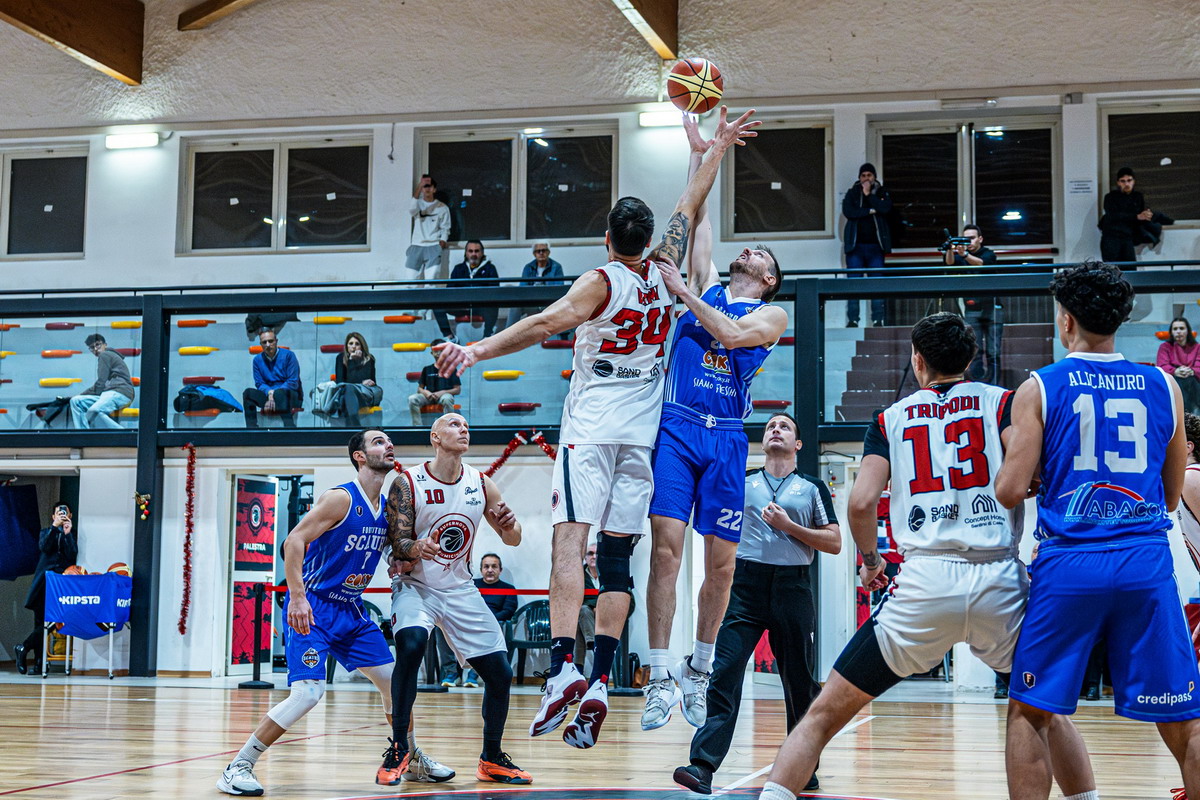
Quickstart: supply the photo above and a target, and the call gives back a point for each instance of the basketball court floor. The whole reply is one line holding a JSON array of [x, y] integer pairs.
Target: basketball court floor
[[133, 738]]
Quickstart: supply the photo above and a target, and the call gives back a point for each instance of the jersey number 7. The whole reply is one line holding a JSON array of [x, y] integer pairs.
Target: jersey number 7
[[969, 452], [657, 323]]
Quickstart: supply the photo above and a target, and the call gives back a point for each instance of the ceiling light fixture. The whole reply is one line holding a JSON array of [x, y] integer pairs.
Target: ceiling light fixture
[[130, 141]]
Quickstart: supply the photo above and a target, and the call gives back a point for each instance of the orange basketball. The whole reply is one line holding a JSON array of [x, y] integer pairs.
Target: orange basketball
[[120, 567], [74, 569], [695, 85]]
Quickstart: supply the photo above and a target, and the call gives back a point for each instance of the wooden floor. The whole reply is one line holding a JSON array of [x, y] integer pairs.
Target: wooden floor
[[95, 740]]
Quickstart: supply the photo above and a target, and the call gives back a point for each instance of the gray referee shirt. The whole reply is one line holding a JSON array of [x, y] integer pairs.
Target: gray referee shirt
[[807, 502]]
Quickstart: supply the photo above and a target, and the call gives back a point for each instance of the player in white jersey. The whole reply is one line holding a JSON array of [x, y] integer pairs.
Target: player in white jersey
[[1189, 507], [602, 478], [433, 514], [961, 581]]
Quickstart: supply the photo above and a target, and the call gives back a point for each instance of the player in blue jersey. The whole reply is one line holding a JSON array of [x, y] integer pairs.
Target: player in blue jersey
[[700, 455], [330, 557], [1108, 437]]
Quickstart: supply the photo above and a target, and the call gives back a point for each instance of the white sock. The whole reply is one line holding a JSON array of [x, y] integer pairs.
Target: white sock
[[1092, 795], [412, 742], [660, 664], [251, 750], [702, 656], [773, 791]]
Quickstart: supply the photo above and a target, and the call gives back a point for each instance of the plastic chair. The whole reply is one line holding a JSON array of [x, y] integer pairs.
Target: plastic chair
[[532, 621]]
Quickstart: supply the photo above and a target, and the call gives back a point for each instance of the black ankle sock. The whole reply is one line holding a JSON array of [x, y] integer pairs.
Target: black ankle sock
[[561, 650], [602, 657], [491, 749]]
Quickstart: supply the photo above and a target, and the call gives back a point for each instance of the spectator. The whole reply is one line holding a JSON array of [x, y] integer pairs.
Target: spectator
[[502, 606], [112, 391], [430, 230], [433, 388], [1180, 356], [867, 236], [277, 388], [59, 545], [475, 270], [585, 635], [354, 373], [1124, 211], [984, 314], [542, 266]]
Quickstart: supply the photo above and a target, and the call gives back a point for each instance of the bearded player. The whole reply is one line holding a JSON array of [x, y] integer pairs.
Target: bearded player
[[602, 477], [700, 455]]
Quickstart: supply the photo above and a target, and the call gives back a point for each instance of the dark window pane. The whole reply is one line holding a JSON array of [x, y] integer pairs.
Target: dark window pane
[[475, 180], [921, 173], [327, 196], [1144, 142], [779, 183], [231, 199], [1014, 187], [46, 202], [568, 185]]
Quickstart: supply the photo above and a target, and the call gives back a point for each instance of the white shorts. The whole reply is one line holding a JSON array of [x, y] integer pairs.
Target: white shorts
[[464, 617], [607, 486], [936, 603]]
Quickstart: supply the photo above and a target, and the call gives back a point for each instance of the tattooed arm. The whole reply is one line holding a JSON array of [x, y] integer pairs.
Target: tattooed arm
[[401, 516]]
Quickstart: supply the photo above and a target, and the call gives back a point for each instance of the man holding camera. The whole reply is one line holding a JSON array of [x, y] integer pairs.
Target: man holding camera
[[59, 546], [867, 237], [981, 313]]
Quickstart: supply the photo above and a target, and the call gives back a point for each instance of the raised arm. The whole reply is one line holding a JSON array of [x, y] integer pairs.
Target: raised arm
[[329, 510], [499, 515], [701, 272], [401, 518], [1022, 446]]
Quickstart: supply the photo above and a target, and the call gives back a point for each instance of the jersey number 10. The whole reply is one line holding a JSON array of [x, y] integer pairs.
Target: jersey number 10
[[969, 452]]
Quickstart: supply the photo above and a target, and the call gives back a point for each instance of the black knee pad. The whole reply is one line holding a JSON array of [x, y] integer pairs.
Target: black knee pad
[[612, 562]]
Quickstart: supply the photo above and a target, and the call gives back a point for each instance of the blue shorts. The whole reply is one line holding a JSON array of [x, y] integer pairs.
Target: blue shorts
[[1123, 593], [339, 629], [701, 469]]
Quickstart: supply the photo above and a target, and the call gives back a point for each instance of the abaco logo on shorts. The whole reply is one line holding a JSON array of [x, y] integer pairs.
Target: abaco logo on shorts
[[1105, 503]]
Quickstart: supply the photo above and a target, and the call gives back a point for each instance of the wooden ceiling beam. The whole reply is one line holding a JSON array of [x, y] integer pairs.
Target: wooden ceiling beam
[[208, 12], [104, 34], [657, 21]]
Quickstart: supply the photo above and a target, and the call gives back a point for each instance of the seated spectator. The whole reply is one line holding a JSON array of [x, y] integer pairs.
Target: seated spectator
[[277, 388], [354, 373], [433, 388], [475, 270], [542, 266], [112, 391], [1180, 356], [503, 606], [1124, 211]]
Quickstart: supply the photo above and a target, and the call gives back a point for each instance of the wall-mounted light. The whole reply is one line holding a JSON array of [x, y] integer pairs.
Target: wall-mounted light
[[660, 119], [533, 131], [130, 141], [969, 102]]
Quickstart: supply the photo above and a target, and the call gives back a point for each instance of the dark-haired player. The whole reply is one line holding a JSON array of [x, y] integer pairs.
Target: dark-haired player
[[330, 556], [602, 479], [700, 454], [941, 447], [1106, 436]]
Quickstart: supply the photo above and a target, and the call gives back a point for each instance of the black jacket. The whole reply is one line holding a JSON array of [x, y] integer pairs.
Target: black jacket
[[461, 275], [503, 606], [59, 551], [1120, 214], [856, 205]]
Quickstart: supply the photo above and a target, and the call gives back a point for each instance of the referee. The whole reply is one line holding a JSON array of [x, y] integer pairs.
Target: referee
[[788, 517]]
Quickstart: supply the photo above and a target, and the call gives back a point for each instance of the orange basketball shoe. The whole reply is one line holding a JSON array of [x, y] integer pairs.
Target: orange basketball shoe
[[394, 765], [502, 770]]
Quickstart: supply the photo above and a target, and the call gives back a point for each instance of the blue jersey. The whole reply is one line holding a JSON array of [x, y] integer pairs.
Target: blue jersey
[[1107, 425], [705, 377], [340, 563]]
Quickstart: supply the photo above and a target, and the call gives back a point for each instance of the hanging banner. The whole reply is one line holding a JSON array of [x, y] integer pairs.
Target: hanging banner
[[241, 632], [254, 540]]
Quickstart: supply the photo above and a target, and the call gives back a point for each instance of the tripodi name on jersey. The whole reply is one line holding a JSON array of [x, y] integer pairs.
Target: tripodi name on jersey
[[941, 410]]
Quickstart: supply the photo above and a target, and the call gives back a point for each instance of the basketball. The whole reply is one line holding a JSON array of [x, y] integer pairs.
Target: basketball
[[74, 569], [120, 567], [695, 85]]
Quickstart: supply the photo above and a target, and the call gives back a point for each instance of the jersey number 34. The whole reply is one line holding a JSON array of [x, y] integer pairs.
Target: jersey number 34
[[652, 326]]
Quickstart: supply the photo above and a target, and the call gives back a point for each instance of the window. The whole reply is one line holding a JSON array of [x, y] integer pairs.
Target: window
[[1162, 148], [42, 203], [922, 177], [520, 185], [278, 195], [781, 183]]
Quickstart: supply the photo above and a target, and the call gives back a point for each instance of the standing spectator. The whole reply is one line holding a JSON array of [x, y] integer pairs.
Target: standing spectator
[[867, 236], [59, 545], [354, 373], [981, 313], [542, 266], [430, 230], [433, 388], [1124, 211], [277, 388], [788, 518], [585, 633], [475, 270], [1180, 356], [112, 391]]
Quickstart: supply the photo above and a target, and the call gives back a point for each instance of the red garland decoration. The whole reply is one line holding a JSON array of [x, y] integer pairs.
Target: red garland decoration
[[520, 438], [189, 527]]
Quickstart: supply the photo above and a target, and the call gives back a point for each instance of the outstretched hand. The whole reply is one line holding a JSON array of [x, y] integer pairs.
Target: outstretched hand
[[730, 133], [691, 126], [453, 358]]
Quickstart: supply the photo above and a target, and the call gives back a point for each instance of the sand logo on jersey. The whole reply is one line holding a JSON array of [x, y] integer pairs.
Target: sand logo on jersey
[[454, 533], [1029, 679], [602, 368], [916, 518], [1106, 503], [311, 658]]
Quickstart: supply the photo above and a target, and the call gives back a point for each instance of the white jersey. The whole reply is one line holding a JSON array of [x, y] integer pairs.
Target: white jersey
[[617, 383], [1185, 516], [450, 514], [945, 452]]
